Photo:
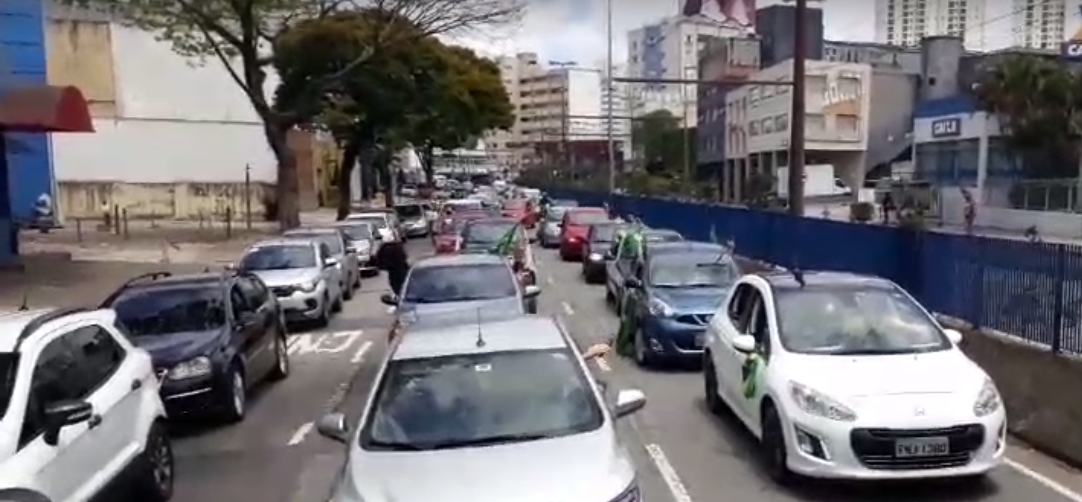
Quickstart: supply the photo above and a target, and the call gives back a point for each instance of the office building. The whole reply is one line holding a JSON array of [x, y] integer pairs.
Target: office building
[[724, 59], [619, 94], [906, 22], [776, 28]]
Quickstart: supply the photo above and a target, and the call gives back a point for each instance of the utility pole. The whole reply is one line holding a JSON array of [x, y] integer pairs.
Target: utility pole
[[565, 112], [611, 93], [796, 116], [687, 126]]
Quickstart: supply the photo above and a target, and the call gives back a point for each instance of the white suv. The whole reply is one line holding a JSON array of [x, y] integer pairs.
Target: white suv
[[79, 406]]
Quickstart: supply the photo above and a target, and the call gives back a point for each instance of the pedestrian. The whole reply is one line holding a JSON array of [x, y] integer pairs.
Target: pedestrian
[[970, 213], [392, 258], [886, 208]]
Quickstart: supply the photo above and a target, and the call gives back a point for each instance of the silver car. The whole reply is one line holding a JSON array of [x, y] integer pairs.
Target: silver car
[[549, 234], [362, 238], [447, 283], [335, 239], [486, 412], [388, 232], [413, 218], [302, 274]]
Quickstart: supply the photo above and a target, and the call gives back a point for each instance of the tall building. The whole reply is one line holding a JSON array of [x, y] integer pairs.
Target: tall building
[[1044, 24], [618, 94], [670, 49], [776, 27], [906, 22]]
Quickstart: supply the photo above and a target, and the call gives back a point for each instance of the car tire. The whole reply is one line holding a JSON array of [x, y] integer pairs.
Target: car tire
[[281, 358], [324, 313], [357, 281], [643, 358], [711, 397], [235, 402], [155, 467], [347, 290], [773, 450], [336, 307]]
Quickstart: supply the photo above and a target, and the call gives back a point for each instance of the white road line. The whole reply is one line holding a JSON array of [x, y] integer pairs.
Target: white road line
[[1048, 482], [550, 281], [668, 473], [299, 435], [603, 364], [567, 308], [361, 351]]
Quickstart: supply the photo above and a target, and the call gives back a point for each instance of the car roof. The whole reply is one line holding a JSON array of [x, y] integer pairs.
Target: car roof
[[279, 242], [14, 324], [351, 223], [525, 333], [449, 260], [660, 231], [311, 230], [586, 209], [785, 279], [493, 220], [685, 247]]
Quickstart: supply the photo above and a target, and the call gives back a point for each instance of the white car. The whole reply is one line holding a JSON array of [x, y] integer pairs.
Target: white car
[[382, 221], [80, 408], [847, 376]]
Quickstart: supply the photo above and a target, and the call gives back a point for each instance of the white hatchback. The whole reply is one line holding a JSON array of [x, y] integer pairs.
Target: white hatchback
[[846, 376]]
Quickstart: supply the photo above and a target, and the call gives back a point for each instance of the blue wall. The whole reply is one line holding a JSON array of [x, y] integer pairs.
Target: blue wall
[[22, 61]]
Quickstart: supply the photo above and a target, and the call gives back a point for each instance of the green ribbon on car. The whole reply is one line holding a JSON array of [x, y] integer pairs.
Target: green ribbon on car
[[750, 374]]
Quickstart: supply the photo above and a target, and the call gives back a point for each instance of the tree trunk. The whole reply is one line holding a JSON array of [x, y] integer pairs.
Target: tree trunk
[[345, 177], [286, 189], [367, 155], [383, 167], [428, 159]]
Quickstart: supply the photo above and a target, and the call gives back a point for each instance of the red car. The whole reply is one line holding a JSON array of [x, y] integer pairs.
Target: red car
[[447, 232], [521, 210], [575, 226]]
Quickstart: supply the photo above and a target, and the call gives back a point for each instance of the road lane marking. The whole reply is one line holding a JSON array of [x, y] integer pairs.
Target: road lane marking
[[567, 308], [1046, 481], [301, 432], [550, 281], [668, 473], [358, 356], [332, 342]]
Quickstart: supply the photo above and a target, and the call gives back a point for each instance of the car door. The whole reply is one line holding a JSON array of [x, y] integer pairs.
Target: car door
[[758, 328], [612, 271], [728, 362], [332, 275], [246, 329], [265, 322], [350, 256]]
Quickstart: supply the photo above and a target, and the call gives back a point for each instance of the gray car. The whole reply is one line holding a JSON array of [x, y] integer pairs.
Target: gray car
[[413, 219], [362, 237], [302, 274], [335, 239], [486, 412], [448, 283], [549, 233]]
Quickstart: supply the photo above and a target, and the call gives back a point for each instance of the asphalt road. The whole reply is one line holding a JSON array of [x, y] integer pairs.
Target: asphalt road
[[683, 454]]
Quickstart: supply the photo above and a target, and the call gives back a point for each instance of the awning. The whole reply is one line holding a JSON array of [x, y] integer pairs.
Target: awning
[[44, 108]]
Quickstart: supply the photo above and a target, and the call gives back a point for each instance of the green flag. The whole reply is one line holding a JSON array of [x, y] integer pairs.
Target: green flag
[[631, 244], [506, 244]]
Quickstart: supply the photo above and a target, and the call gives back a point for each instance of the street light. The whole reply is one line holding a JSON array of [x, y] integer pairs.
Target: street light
[[611, 95]]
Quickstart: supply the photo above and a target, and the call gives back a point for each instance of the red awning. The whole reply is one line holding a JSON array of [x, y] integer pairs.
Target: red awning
[[44, 108]]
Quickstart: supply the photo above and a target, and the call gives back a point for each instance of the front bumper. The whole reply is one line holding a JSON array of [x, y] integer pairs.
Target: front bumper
[[867, 449], [572, 248], [593, 269], [194, 396], [301, 305], [667, 338]]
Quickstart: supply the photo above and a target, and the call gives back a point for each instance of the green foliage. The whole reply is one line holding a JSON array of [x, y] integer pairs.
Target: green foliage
[[862, 211], [1038, 103], [662, 141]]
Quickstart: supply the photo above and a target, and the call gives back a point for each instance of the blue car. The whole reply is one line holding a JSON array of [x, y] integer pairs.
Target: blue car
[[673, 292]]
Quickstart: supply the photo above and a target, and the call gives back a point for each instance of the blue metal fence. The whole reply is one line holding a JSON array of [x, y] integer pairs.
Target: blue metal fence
[[1033, 291]]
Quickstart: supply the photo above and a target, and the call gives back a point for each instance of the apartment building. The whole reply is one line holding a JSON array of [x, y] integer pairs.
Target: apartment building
[[619, 94], [906, 22], [1044, 24]]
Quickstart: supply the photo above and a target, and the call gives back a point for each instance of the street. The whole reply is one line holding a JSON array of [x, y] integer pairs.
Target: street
[[682, 452]]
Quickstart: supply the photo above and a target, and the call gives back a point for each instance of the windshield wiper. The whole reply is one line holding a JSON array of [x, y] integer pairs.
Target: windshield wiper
[[488, 441], [396, 446]]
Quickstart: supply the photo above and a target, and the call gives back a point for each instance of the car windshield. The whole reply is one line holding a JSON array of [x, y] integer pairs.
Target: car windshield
[[358, 231], [278, 258], [555, 214], [487, 233], [377, 221], [461, 283], [9, 365], [854, 321], [587, 217], [334, 244], [409, 211], [475, 400], [691, 270], [604, 233], [156, 311]]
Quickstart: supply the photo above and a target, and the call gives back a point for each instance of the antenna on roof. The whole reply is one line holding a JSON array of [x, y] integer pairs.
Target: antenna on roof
[[25, 305], [798, 276], [480, 336]]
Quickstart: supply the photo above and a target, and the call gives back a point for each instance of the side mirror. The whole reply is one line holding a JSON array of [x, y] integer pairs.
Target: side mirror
[[632, 283], [333, 426], [745, 344], [629, 401], [62, 414], [953, 335], [330, 262], [531, 291], [389, 299]]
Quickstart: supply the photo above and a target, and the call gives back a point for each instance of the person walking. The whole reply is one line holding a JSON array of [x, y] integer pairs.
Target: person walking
[[392, 258]]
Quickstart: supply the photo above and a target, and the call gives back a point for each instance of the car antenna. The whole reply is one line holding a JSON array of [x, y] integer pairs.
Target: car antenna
[[480, 336], [25, 305], [798, 275]]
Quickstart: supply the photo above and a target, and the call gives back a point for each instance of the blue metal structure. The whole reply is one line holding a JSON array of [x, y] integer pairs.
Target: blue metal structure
[[1031, 290]]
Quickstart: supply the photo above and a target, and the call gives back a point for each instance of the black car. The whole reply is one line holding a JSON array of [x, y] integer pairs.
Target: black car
[[599, 240], [212, 337]]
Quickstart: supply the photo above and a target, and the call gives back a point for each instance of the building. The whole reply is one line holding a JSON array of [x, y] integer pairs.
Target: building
[[856, 118], [618, 94], [723, 59], [670, 49], [906, 22], [1043, 24], [776, 28], [875, 54]]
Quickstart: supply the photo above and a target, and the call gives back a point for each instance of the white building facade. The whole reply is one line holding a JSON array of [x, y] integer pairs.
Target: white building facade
[[906, 22]]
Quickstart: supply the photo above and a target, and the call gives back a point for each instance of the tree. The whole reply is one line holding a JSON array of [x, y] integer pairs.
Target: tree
[[238, 32], [661, 140], [1038, 104]]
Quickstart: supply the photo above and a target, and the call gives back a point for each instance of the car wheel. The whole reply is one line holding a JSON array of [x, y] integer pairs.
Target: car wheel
[[324, 312], [775, 455], [642, 353], [336, 307], [155, 467], [281, 358], [235, 403], [357, 281], [711, 397], [347, 290]]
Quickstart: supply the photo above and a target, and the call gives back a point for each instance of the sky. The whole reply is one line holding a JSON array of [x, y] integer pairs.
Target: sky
[[574, 30]]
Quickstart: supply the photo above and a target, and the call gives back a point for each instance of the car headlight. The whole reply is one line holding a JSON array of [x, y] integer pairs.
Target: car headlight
[[659, 308], [192, 368], [816, 403], [308, 286], [988, 400], [595, 257]]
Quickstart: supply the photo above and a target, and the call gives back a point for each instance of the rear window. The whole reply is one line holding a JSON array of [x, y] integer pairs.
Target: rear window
[[409, 211], [333, 242], [604, 233], [587, 217], [376, 220], [486, 233], [457, 283], [176, 309]]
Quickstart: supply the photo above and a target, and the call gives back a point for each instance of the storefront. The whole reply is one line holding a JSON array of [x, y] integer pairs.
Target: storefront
[[957, 144]]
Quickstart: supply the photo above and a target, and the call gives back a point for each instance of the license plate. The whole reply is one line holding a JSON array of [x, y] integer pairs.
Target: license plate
[[922, 447], [700, 340]]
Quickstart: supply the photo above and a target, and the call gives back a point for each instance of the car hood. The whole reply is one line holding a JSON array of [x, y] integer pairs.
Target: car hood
[[172, 348], [859, 378], [590, 466], [697, 300], [287, 277], [510, 304]]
